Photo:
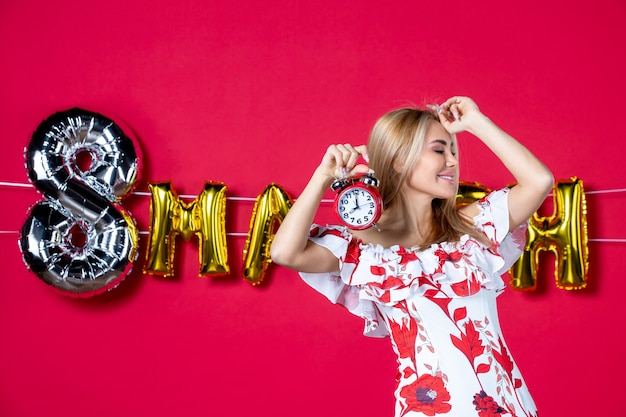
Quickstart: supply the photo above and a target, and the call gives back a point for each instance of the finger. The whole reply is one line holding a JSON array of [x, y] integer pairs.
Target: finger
[[443, 118], [359, 170], [362, 149], [448, 122], [353, 157], [449, 102], [346, 151], [445, 115], [455, 111], [457, 105], [351, 154], [333, 160], [339, 159]]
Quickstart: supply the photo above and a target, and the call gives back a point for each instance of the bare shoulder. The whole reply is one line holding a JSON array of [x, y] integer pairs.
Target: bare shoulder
[[470, 210]]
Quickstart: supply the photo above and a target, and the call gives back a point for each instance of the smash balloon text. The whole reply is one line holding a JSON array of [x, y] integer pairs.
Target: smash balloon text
[[81, 241]]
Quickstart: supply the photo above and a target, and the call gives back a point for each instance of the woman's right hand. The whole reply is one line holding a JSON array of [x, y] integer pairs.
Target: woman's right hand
[[341, 161], [291, 246]]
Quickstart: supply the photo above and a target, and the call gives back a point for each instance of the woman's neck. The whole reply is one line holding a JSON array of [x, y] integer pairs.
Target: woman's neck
[[407, 225]]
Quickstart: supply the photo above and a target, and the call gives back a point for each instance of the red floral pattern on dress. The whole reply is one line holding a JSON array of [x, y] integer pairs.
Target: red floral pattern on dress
[[426, 395], [518, 236], [404, 338], [407, 256], [469, 343], [487, 406], [504, 359], [353, 253], [467, 287]]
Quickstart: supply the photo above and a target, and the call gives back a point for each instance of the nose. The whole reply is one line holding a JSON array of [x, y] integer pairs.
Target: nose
[[451, 160]]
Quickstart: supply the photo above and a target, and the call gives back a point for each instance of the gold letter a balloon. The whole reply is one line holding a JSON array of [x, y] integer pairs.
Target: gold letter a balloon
[[271, 206]]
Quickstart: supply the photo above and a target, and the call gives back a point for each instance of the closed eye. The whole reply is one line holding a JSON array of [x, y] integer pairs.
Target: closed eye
[[442, 151], [440, 147]]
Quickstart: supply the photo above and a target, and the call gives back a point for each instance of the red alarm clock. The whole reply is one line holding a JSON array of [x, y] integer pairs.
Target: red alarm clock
[[358, 202]]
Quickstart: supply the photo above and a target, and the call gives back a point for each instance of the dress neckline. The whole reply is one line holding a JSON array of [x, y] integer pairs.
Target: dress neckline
[[397, 248]]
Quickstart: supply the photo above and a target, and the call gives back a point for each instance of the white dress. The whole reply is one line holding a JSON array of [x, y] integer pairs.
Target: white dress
[[439, 308]]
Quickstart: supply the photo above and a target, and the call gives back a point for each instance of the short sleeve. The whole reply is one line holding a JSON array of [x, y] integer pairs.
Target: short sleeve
[[336, 285], [493, 221]]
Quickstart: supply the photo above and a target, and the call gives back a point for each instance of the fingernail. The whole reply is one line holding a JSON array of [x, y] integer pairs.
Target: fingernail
[[435, 107], [367, 158]]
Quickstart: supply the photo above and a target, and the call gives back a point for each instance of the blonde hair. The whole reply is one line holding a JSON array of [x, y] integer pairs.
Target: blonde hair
[[395, 144]]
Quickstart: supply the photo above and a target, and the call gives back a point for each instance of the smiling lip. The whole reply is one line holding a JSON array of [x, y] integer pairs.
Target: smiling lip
[[449, 178]]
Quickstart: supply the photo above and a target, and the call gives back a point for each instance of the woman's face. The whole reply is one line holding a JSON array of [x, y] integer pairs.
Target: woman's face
[[436, 172]]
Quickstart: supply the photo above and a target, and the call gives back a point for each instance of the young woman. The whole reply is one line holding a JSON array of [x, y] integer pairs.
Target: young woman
[[429, 274]]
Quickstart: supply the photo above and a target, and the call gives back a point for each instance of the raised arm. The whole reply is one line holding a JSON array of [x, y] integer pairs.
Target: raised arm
[[534, 179], [291, 246]]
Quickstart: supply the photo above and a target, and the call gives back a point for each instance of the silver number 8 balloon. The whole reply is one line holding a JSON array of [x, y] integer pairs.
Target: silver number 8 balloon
[[80, 239]]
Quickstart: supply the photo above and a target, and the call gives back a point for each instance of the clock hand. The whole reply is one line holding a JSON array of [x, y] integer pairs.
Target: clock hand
[[356, 200]]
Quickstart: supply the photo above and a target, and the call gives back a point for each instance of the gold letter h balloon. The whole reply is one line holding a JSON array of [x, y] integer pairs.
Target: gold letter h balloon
[[564, 233]]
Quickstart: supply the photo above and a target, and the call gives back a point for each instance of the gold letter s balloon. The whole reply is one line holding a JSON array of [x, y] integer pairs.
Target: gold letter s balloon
[[80, 240], [271, 206], [564, 233], [470, 192], [170, 217]]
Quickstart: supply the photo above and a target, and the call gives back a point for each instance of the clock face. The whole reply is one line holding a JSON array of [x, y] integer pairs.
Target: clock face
[[358, 206]]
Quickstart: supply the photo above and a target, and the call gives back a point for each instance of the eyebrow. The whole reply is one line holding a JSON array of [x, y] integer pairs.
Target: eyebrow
[[442, 141]]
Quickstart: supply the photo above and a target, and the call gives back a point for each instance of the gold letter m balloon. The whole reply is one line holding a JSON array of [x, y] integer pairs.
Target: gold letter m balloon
[[204, 216], [564, 233]]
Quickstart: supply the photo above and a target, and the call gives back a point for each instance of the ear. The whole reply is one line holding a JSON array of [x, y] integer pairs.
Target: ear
[[398, 166]]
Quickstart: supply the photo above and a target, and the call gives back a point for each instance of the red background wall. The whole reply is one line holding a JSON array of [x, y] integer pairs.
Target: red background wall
[[250, 93]]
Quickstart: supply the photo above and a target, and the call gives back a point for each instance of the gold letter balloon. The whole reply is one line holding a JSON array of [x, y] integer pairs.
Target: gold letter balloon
[[564, 233], [80, 240], [204, 217], [270, 208]]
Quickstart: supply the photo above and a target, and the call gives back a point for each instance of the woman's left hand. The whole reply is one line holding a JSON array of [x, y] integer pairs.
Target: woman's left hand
[[534, 180], [457, 114]]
